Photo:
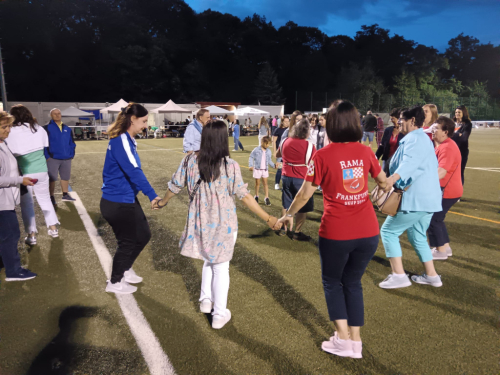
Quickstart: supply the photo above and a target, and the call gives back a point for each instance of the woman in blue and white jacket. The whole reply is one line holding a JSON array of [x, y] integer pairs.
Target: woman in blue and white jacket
[[260, 158], [123, 178]]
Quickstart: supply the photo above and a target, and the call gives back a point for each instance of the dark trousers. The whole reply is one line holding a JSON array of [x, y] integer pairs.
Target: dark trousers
[[465, 157], [438, 235], [9, 237], [277, 179], [132, 233], [343, 263]]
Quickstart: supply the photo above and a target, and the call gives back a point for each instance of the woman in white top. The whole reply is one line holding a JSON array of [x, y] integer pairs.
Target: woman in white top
[[264, 130], [27, 141]]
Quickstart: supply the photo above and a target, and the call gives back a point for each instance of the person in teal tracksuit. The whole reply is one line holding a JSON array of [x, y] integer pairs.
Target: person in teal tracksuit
[[414, 167]]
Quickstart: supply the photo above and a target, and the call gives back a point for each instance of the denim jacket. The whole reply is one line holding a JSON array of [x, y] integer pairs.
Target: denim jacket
[[256, 157]]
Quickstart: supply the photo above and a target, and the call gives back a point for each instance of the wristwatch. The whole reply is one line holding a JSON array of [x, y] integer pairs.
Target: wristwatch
[[288, 215]]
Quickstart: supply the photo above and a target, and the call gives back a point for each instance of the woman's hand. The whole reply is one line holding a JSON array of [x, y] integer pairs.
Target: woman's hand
[[389, 184], [27, 181], [154, 203], [287, 221], [273, 223]]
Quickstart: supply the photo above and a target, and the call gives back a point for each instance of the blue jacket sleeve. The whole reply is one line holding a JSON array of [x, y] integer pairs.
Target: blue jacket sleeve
[[122, 153], [413, 158], [269, 158], [250, 159]]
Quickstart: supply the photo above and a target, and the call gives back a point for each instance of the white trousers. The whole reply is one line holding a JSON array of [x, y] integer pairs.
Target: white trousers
[[41, 189], [215, 284]]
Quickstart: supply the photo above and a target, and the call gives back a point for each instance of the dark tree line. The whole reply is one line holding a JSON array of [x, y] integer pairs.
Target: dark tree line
[[155, 50]]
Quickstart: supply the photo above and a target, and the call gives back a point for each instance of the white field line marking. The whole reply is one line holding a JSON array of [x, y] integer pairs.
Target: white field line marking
[[485, 169], [139, 150], [156, 359]]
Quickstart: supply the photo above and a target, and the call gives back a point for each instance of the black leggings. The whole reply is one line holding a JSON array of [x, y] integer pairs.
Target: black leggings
[[132, 233], [465, 157]]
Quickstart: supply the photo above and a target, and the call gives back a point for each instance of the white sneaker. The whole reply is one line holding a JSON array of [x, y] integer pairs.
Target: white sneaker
[[394, 282], [131, 277], [276, 186], [435, 281], [120, 288], [206, 306], [53, 233], [438, 255], [449, 252], [234, 150], [220, 321], [31, 241]]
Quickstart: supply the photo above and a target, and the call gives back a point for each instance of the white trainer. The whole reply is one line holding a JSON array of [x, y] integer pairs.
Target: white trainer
[[206, 306], [276, 186], [31, 241], [131, 277], [53, 233], [448, 251], [220, 321], [120, 288], [424, 279], [438, 255], [394, 282]]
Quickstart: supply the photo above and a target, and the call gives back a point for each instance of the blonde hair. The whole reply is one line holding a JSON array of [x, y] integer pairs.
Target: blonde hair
[[263, 121], [6, 118], [434, 112], [124, 119]]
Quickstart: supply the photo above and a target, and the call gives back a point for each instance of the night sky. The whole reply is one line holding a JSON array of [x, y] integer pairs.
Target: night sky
[[429, 22]]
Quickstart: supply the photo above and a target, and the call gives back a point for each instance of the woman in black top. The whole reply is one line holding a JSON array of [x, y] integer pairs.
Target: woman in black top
[[391, 136], [461, 136]]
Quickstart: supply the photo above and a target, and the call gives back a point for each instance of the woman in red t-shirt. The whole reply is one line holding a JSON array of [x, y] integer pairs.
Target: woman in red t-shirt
[[450, 178], [348, 235]]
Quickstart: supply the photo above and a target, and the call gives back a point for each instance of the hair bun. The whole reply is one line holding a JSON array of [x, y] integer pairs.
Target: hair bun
[[124, 110]]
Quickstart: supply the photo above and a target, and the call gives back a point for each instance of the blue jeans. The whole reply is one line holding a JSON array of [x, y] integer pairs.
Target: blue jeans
[[9, 237], [237, 143], [416, 225], [368, 135], [343, 263]]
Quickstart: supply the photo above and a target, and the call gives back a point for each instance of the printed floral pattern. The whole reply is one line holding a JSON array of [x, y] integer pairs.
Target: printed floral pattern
[[212, 220]]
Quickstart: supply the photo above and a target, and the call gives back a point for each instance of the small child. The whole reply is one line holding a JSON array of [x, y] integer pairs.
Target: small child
[[259, 159]]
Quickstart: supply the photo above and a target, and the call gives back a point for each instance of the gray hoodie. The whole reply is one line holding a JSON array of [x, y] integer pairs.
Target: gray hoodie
[[9, 179]]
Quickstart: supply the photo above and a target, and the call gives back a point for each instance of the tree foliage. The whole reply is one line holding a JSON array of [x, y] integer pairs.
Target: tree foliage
[[155, 50]]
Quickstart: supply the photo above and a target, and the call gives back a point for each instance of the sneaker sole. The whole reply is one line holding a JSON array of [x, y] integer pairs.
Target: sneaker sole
[[396, 287], [30, 243], [68, 200], [439, 258], [221, 325], [133, 281], [435, 285], [340, 354], [205, 310], [119, 292], [19, 279], [357, 355]]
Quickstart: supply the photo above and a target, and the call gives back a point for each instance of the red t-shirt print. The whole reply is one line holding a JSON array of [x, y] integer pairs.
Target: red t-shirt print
[[341, 169]]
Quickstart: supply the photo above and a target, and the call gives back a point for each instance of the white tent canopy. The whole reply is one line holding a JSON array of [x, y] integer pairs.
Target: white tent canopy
[[117, 107], [249, 111], [170, 107], [214, 110], [75, 112]]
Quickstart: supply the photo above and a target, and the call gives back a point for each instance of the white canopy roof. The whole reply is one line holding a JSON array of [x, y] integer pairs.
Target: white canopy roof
[[117, 107], [214, 110], [170, 107], [249, 111], [75, 112]]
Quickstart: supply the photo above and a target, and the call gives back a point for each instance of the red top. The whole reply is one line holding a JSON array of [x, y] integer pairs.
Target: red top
[[294, 151], [393, 144], [449, 158], [342, 171]]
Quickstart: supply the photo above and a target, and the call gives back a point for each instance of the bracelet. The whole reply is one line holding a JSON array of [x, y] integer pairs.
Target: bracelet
[[288, 214], [269, 218], [159, 205]]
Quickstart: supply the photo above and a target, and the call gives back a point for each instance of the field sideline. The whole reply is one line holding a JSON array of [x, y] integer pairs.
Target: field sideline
[[63, 321]]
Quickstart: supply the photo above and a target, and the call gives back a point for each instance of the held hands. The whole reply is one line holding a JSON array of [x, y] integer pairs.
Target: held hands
[[27, 181], [287, 221], [389, 184], [251, 169], [155, 204], [273, 223]]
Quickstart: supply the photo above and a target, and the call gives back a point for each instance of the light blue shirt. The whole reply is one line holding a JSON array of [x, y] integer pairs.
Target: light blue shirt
[[416, 162], [192, 138]]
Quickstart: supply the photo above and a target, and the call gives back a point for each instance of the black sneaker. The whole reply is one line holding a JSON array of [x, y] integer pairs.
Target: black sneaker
[[53, 200], [301, 237], [21, 275], [66, 197], [267, 202], [256, 199]]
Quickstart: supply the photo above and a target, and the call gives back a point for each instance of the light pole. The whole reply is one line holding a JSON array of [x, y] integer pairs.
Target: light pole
[[2, 81]]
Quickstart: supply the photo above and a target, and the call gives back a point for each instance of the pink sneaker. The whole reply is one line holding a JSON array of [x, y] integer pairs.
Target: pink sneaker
[[336, 346], [357, 348]]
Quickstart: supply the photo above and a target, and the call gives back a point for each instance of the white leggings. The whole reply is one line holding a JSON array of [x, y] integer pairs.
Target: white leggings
[[215, 284], [41, 189]]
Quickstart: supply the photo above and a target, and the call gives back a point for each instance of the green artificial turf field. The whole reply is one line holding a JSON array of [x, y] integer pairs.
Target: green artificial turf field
[[63, 322]]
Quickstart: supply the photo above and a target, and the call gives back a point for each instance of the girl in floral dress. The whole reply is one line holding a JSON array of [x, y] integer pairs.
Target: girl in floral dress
[[212, 180]]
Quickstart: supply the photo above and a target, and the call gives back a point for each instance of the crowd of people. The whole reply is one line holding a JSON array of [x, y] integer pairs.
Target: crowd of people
[[420, 151]]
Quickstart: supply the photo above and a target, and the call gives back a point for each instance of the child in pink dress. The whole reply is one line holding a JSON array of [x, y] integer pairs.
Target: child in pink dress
[[258, 162]]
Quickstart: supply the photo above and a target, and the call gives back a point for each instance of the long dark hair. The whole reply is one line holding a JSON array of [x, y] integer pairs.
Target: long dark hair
[[123, 121], [23, 115], [465, 114], [214, 149]]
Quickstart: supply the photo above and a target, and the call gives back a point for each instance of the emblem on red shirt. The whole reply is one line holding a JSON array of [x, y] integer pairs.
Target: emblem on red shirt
[[353, 179], [310, 169]]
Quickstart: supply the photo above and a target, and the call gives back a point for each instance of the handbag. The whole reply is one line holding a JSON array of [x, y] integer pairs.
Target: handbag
[[387, 202]]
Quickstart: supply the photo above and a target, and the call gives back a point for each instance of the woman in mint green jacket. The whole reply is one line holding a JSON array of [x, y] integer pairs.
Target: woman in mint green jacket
[[27, 142], [413, 167]]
